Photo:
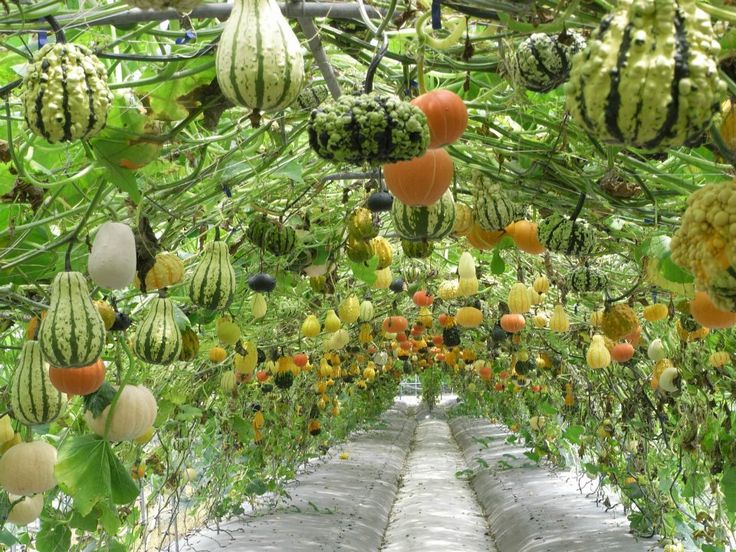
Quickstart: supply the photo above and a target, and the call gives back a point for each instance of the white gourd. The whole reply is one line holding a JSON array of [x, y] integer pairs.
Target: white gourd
[[111, 263]]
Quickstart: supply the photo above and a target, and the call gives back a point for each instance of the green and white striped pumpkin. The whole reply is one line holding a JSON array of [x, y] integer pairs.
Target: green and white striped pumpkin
[[73, 333], [213, 283], [281, 240], [33, 397], [493, 210], [417, 249], [649, 76], [259, 59], [585, 279], [424, 223], [65, 94], [559, 234], [157, 339]]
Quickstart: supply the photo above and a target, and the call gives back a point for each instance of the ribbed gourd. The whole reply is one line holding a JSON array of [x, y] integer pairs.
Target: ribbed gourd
[[359, 251], [349, 309], [586, 279], [559, 321], [544, 61], [213, 283], [360, 224], [518, 299], [492, 209], [166, 271], [33, 397], [157, 339], [72, 334], [560, 234], [366, 311], [65, 94], [598, 355], [259, 60], [417, 249], [649, 76], [424, 223], [281, 240], [383, 251]]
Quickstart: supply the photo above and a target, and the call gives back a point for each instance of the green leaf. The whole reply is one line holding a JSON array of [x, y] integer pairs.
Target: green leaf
[[124, 179], [506, 243], [85, 523], [728, 487], [573, 433], [7, 538], [168, 99], [672, 272], [498, 266], [242, 428], [365, 272], [53, 537], [88, 470], [99, 400], [188, 412], [291, 170]]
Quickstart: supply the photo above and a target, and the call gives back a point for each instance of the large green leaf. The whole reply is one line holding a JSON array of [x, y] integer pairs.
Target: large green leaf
[[728, 487], [365, 272], [89, 471]]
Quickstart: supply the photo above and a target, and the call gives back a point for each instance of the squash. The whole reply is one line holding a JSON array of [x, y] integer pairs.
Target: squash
[[541, 284], [597, 355], [360, 224], [27, 510], [245, 364], [383, 250], [311, 326], [466, 265], [655, 312], [332, 322], [417, 249], [72, 334], [469, 317], [467, 286], [384, 277], [709, 315], [228, 332], [446, 114], [259, 60], [28, 468], [656, 351], [618, 321], [166, 271], [78, 381], [483, 239], [424, 223], [111, 263], [33, 397], [258, 307], [518, 299], [217, 354], [585, 279], [543, 62], [492, 209], [559, 322], [107, 313], [359, 251], [213, 282], [525, 234], [422, 181], [189, 345], [463, 220], [422, 298], [394, 324], [157, 339], [560, 234], [349, 310], [622, 352], [512, 323], [134, 412]]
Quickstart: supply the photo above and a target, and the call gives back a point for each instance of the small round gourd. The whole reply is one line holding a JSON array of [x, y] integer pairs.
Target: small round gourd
[[166, 271], [525, 234], [25, 511], [366, 311], [28, 468], [420, 181], [135, 411], [655, 312], [111, 263], [446, 114], [311, 326], [78, 381], [512, 323], [349, 309], [469, 317]]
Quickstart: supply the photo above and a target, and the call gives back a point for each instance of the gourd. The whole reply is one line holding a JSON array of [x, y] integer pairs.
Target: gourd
[[424, 223], [425, 317], [189, 345], [544, 61], [394, 324], [563, 235], [719, 359], [648, 77], [512, 323], [463, 220], [466, 265], [166, 271], [157, 339], [467, 286], [261, 282], [311, 326], [245, 364], [559, 322], [359, 251], [366, 311], [534, 297], [72, 334], [622, 352], [259, 307], [28, 468], [107, 313], [540, 320], [379, 202], [383, 250], [332, 322], [384, 277], [422, 298], [33, 397], [526, 236], [360, 224], [417, 249], [134, 412], [492, 209], [668, 378], [78, 381], [655, 312], [213, 282], [541, 284], [446, 115], [368, 128], [707, 314], [259, 60], [312, 96], [421, 181], [65, 96], [656, 351], [281, 240], [618, 321], [111, 263], [469, 317], [585, 279], [25, 511], [228, 332], [349, 309], [518, 299], [448, 290], [597, 355]]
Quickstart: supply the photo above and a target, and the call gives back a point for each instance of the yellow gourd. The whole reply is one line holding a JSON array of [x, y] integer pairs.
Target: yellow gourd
[[448, 290], [518, 299], [311, 326], [541, 284], [540, 321], [332, 322], [656, 312], [719, 358], [383, 278], [469, 317], [463, 220], [559, 322], [246, 364], [467, 286], [349, 309], [466, 266], [258, 306], [425, 317], [597, 355], [596, 317], [366, 333], [534, 297]]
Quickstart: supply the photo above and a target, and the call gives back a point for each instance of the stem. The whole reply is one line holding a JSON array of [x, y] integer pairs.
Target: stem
[[68, 256], [578, 207], [58, 31], [421, 76], [375, 62], [320, 56]]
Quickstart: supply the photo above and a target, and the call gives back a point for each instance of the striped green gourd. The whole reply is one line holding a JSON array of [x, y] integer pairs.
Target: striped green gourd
[[559, 234], [73, 333], [259, 230], [544, 61], [65, 95], [584, 279], [33, 397], [281, 240], [259, 59], [417, 249], [213, 283], [424, 223], [493, 210], [157, 339], [649, 76]]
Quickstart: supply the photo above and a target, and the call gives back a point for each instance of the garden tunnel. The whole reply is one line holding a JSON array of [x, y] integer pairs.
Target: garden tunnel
[[228, 232]]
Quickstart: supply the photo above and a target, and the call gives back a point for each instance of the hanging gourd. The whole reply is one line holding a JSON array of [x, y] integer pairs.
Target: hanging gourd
[[349, 309], [360, 224], [463, 220], [534, 297], [259, 60], [365, 334], [421, 223], [384, 277], [543, 61], [112, 261], [166, 271], [469, 317], [708, 315], [568, 236], [258, 306], [134, 412], [332, 322], [598, 355], [228, 332], [25, 511], [446, 115], [422, 181], [596, 318], [425, 317], [622, 352], [190, 344], [559, 322], [618, 321], [245, 359], [383, 251], [78, 381], [213, 282], [33, 397], [448, 290], [395, 324], [668, 379], [72, 334], [656, 351], [28, 468], [512, 323], [492, 209], [467, 286], [540, 321], [719, 359], [655, 312], [541, 284], [466, 266], [525, 234], [518, 299], [157, 339], [366, 311], [585, 279]]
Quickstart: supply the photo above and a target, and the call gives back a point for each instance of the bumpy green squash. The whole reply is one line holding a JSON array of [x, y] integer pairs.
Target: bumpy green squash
[[585, 279], [157, 339], [570, 237], [33, 397], [544, 61], [259, 59], [213, 283], [73, 333], [65, 93], [493, 210], [649, 75]]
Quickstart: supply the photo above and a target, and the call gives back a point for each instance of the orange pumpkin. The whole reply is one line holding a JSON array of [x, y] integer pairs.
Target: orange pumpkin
[[525, 236], [513, 323], [708, 315], [420, 181], [422, 298], [634, 337], [438, 340], [485, 373], [446, 114], [78, 381], [622, 352], [395, 324], [483, 239], [301, 359]]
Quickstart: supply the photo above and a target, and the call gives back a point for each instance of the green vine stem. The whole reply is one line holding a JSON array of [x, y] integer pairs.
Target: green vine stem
[[457, 24]]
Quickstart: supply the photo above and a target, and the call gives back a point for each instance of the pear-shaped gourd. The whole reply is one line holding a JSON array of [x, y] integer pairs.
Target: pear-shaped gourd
[[259, 59], [384, 277], [246, 364], [534, 297], [597, 355], [311, 326], [656, 351], [33, 397], [158, 339], [259, 306], [73, 333], [467, 286], [366, 311], [213, 282], [332, 322], [466, 266], [559, 322], [668, 378], [518, 299], [349, 309], [111, 263]]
